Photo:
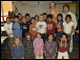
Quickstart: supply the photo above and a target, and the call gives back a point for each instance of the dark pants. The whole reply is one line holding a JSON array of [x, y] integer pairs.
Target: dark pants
[[43, 37]]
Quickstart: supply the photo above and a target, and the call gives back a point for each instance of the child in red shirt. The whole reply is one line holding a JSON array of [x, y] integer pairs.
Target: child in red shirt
[[63, 43], [51, 26]]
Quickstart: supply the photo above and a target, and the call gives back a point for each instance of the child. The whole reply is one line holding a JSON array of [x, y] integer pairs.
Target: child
[[25, 28], [20, 17], [41, 27], [68, 28], [33, 28], [59, 25], [8, 29], [28, 47], [45, 17], [27, 16], [50, 48], [63, 43], [51, 26], [38, 46], [36, 18], [17, 49], [17, 31]]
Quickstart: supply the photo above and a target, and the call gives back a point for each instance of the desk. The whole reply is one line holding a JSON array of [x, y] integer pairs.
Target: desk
[[3, 38]]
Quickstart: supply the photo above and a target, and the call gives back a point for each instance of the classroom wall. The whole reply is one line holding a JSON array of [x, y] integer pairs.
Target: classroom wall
[[34, 8]]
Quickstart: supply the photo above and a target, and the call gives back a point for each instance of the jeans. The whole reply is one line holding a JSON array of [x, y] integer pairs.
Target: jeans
[[69, 42], [43, 37]]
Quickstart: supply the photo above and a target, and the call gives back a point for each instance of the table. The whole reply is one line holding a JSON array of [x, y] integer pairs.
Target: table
[[3, 38], [77, 31]]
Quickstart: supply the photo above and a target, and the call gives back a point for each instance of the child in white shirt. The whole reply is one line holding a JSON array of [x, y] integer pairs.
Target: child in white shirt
[[68, 28], [41, 27]]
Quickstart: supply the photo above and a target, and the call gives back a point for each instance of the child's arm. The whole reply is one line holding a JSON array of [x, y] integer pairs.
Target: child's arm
[[22, 51], [12, 52], [21, 34], [60, 44], [63, 29], [30, 30], [65, 44], [71, 31], [13, 34], [45, 30], [7, 34]]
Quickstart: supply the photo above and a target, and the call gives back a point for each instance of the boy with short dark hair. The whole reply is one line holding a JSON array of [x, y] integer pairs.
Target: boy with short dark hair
[[17, 31], [51, 26]]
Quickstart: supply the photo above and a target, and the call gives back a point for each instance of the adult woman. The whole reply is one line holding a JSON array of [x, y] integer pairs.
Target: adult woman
[[66, 11], [53, 10]]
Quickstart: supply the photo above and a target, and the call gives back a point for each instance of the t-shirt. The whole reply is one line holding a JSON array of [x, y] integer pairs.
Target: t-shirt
[[28, 22], [17, 29], [33, 29], [8, 28], [67, 27], [24, 30], [41, 27], [59, 26], [62, 49], [51, 27]]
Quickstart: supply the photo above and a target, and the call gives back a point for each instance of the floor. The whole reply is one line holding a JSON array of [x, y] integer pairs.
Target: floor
[[73, 55]]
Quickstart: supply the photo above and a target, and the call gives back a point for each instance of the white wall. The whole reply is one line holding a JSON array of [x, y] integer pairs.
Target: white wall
[[34, 8]]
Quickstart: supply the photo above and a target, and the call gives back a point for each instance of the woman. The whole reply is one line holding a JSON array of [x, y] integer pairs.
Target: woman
[[53, 10], [65, 12]]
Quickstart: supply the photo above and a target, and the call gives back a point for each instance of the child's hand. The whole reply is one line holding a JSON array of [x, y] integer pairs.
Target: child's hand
[[69, 34], [55, 35], [39, 53], [20, 36], [23, 27], [67, 40], [22, 58]]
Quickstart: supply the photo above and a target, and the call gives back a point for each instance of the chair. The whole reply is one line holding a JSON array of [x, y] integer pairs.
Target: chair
[[5, 43]]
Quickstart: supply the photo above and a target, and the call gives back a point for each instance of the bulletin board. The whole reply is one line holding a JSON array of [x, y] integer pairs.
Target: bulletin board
[[38, 9]]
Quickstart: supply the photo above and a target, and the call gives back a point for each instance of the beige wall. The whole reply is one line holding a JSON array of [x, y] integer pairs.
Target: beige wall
[[7, 6]]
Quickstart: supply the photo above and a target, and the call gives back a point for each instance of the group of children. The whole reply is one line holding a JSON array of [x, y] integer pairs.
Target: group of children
[[39, 37]]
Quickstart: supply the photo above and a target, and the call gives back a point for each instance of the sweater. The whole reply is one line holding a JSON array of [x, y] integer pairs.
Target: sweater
[[17, 52]]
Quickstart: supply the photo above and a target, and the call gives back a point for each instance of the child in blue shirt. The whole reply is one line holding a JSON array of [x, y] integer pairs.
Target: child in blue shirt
[[59, 25], [17, 31], [45, 17]]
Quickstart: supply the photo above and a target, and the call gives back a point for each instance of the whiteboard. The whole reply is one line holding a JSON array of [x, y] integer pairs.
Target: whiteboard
[[38, 9]]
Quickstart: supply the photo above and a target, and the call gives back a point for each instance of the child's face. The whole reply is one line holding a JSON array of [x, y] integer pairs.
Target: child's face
[[41, 18], [63, 38], [44, 17], [16, 19], [50, 37], [49, 19], [59, 18], [8, 20], [68, 20], [38, 36], [16, 41], [27, 17], [23, 20], [28, 36], [33, 21], [20, 16], [36, 18]]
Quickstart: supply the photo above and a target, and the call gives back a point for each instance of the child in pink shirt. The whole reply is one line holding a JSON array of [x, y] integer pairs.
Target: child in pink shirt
[[38, 46]]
